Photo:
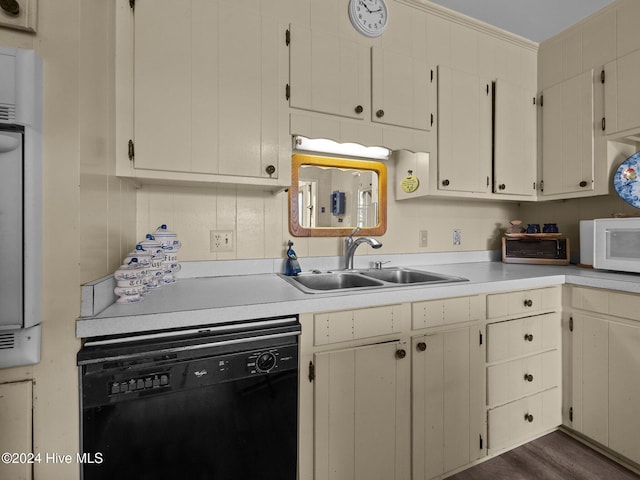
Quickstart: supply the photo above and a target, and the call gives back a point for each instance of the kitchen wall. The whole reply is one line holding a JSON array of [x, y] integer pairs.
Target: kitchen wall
[[88, 214], [568, 213], [260, 222]]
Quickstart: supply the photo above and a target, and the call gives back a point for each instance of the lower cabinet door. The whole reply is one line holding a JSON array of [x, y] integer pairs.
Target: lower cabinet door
[[16, 430], [447, 402], [361, 413], [624, 389], [523, 419]]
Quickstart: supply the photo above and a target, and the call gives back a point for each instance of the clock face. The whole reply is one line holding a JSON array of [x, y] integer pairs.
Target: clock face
[[369, 17]]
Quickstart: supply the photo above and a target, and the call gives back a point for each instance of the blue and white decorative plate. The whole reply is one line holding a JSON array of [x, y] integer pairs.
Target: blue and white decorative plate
[[626, 180]]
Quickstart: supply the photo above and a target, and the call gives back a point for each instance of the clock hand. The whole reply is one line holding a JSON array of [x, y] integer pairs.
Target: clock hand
[[365, 6]]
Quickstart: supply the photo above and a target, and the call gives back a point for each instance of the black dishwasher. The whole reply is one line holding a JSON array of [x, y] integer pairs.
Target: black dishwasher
[[218, 403]]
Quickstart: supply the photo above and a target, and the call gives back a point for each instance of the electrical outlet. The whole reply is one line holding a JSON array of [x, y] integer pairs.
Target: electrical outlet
[[221, 241], [424, 239], [457, 237]]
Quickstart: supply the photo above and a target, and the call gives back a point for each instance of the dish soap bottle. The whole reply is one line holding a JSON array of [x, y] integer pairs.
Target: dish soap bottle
[[292, 267]]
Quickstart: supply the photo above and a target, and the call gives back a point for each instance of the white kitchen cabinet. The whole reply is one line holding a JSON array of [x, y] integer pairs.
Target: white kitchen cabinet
[[605, 338], [360, 396], [206, 92], [590, 377], [329, 73], [400, 90], [447, 311], [523, 303], [568, 137], [447, 401], [622, 104], [16, 434], [523, 365], [624, 389], [515, 146], [464, 131], [333, 74], [355, 400], [523, 419]]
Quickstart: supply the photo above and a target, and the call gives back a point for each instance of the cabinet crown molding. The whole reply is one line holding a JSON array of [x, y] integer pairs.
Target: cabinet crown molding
[[453, 16]]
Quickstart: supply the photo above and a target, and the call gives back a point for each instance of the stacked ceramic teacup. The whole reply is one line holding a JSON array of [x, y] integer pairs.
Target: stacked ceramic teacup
[[152, 247], [170, 246], [131, 278]]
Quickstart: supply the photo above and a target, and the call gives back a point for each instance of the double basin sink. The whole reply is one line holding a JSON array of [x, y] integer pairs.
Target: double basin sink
[[366, 279]]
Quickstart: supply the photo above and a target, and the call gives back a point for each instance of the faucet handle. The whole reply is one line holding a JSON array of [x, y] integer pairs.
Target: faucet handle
[[378, 264], [355, 230]]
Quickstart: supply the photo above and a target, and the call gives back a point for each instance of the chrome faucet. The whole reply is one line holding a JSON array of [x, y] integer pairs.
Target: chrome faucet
[[350, 246]]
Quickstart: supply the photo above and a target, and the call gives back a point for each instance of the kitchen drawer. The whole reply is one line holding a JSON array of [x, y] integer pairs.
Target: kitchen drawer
[[525, 302], [342, 326], [523, 419], [512, 380], [434, 313], [522, 336]]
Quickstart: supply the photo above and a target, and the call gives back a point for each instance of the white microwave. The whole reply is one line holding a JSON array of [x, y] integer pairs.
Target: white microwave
[[611, 244]]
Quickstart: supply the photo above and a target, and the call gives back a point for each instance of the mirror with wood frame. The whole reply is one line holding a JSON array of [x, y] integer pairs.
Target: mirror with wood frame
[[330, 197]]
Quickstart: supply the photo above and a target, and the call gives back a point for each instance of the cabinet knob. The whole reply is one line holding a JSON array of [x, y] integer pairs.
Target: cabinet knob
[[528, 377], [401, 353], [528, 337], [502, 186], [445, 183], [380, 113], [583, 184], [528, 417], [11, 7], [528, 303], [359, 109], [421, 346], [270, 169]]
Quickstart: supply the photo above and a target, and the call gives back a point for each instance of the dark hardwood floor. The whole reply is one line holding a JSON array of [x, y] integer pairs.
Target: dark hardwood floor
[[555, 456]]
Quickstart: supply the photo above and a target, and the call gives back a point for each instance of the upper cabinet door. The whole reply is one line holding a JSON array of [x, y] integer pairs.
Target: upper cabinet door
[[464, 132], [207, 91], [567, 136], [328, 73], [628, 72], [400, 87], [162, 84], [515, 140]]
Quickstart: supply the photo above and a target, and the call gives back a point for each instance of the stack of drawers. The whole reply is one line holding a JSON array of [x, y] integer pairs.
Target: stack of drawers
[[524, 367]]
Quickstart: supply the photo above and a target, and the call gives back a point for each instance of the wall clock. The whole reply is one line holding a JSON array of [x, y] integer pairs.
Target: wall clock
[[369, 17]]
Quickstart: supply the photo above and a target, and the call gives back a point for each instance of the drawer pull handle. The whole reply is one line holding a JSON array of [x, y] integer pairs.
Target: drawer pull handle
[[528, 377], [528, 417], [401, 353], [528, 303], [528, 337], [421, 346]]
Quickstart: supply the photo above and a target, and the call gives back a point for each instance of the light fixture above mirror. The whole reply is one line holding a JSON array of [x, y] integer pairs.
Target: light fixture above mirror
[[330, 197], [324, 146]]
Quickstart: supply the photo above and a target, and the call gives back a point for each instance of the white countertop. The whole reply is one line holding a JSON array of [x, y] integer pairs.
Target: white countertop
[[193, 302]]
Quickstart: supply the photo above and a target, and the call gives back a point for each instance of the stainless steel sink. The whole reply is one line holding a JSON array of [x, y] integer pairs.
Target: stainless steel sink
[[366, 279], [408, 276], [333, 281]]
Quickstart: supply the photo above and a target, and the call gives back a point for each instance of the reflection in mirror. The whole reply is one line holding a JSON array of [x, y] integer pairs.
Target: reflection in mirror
[[332, 196]]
